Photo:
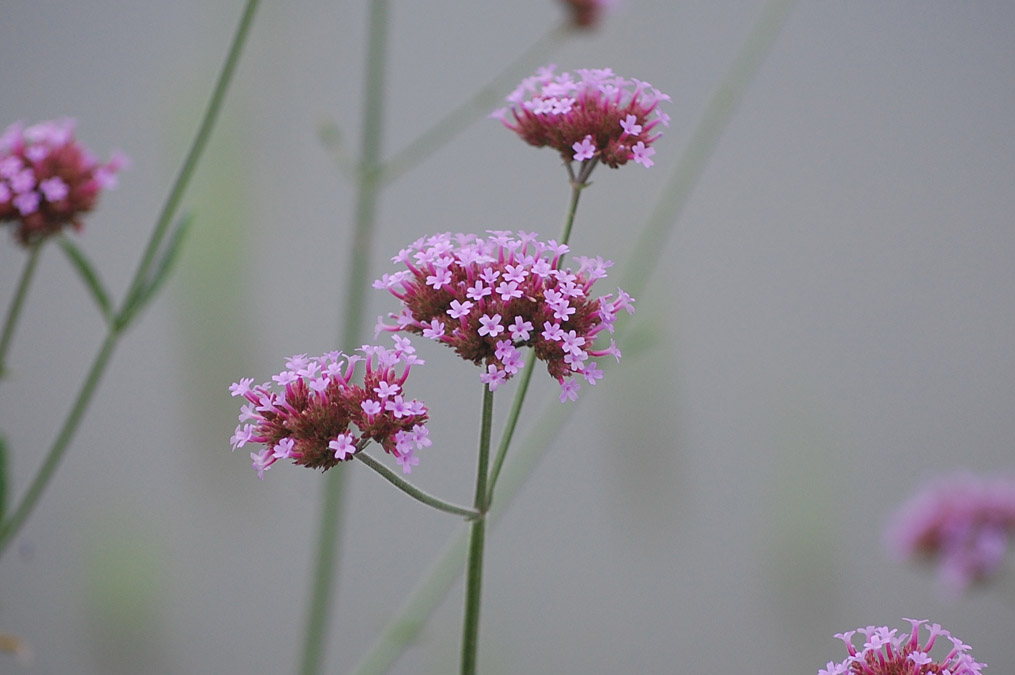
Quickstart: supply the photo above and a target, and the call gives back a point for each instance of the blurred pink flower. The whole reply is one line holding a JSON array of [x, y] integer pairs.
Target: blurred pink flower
[[962, 523], [48, 180]]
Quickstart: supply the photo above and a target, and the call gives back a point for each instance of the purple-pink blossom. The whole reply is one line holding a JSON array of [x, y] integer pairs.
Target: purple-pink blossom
[[593, 115], [317, 416], [963, 524], [887, 652], [48, 180], [490, 329]]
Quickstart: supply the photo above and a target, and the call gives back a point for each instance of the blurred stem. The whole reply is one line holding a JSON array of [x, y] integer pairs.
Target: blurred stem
[[577, 185], [477, 538], [431, 589], [19, 300], [172, 203], [12, 524], [481, 102], [413, 491], [328, 535]]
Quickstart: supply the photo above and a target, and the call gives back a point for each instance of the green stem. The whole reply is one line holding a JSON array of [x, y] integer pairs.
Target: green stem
[[440, 577], [19, 299], [322, 586], [482, 102], [477, 536], [512, 422], [18, 516], [12, 524], [328, 535], [172, 203], [413, 491]]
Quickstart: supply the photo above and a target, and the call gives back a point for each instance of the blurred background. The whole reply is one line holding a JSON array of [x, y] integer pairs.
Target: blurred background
[[831, 324]]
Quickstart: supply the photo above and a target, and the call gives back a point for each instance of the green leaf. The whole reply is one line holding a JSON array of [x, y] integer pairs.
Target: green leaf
[[89, 276], [147, 290]]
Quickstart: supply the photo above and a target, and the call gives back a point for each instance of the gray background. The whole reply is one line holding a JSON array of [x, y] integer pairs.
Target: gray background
[[832, 325]]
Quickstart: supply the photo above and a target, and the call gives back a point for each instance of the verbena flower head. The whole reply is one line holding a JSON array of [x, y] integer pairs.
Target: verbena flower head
[[593, 115], [963, 523], [586, 13], [316, 416], [885, 652], [48, 180], [486, 298]]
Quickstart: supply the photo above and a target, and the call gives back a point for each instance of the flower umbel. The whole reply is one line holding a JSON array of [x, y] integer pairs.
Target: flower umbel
[[48, 180], [318, 417], [488, 297], [596, 116], [885, 652], [963, 523]]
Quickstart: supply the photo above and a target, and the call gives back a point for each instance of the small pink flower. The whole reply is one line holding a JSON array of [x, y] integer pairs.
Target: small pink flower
[[886, 652], [964, 524], [48, 180], [591, 116], [318, 420]]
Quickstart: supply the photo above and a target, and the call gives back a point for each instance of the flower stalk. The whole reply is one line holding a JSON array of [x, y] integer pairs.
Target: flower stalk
[[17, 303], [477, 539]]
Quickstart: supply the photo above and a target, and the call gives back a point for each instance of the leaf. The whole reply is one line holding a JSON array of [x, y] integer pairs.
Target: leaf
[[89, 276]]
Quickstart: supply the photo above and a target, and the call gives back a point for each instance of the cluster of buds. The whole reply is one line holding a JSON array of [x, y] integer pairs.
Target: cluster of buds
[[597, 116], [486, 298], [48, 180], [963, 523], [885, 652], [318, 417]]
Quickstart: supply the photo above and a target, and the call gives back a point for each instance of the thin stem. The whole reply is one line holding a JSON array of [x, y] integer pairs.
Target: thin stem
[[432, 588], [322, 587], [328, 531], [194, 154], [411, 616], [13, 523], [480, 103], [413, 491], [18, 516], [512, 422], [19, 299], [477, 536]]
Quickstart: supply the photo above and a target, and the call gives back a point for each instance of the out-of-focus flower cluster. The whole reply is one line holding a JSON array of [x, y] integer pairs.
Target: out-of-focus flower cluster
[[488, 297], [594, 116], [318, 417], [586, 13], [885, 652], [48, 180], [963, 523]]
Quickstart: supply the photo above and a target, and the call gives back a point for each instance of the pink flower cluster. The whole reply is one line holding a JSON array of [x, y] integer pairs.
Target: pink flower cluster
[[885, 652], [964, 523], [488, 297], [597, 115], [48, 180], [319, 418]]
